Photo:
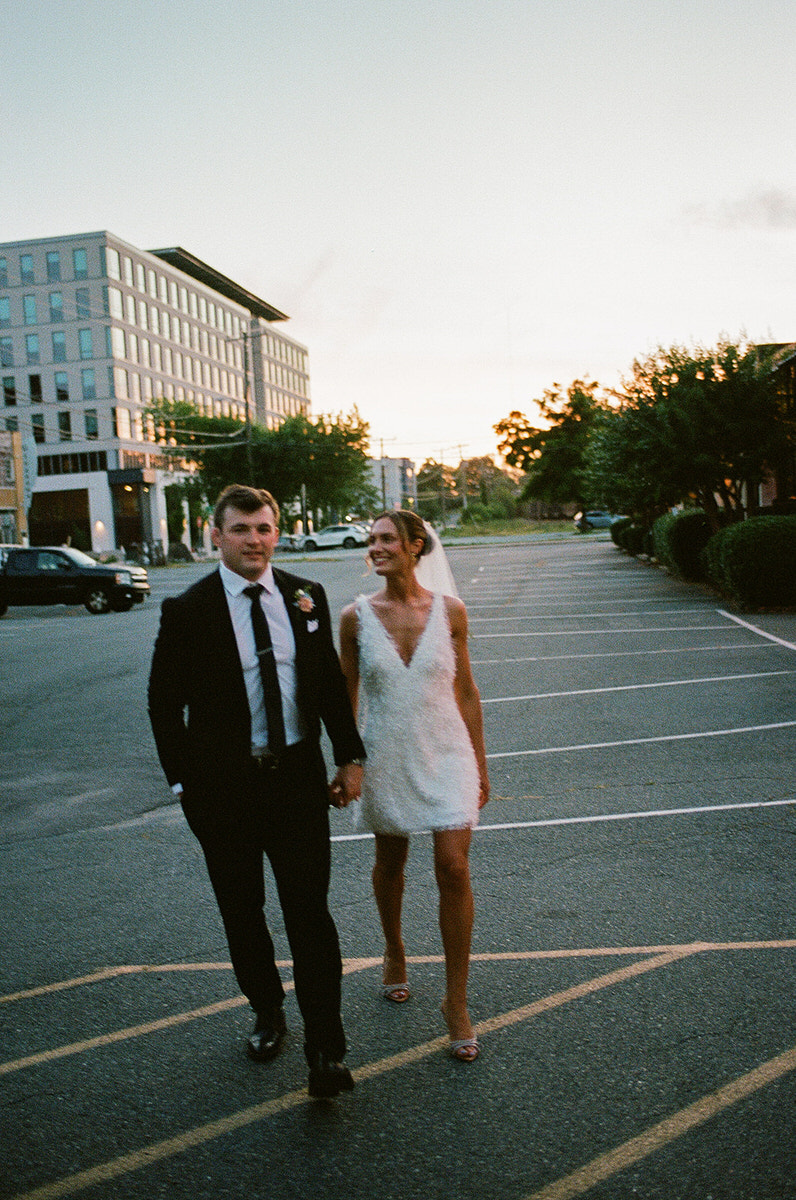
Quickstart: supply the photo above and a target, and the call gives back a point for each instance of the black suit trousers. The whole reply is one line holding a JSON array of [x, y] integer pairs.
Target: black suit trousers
[[283, 814]]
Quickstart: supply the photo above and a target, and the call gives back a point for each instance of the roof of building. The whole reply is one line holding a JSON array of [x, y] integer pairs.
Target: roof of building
[[184, 261]]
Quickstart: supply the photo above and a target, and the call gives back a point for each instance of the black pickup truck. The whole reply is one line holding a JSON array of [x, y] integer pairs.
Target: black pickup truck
[[60, 575]]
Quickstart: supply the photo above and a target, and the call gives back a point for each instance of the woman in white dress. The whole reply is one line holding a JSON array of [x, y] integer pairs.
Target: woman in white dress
[[404, 654]]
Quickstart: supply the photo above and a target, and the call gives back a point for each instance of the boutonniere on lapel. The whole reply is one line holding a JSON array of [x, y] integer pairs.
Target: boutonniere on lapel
[[303, 601]]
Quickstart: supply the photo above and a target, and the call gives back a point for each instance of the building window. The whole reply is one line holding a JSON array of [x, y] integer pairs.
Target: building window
[[32, 348], [80, 264], [92, 426], [112, 264], [37, 420], [128, 270], [9, 389], [53, 265], [59, 346], [61, 387], [6, 352], [29, 310], [86, 343], [130, 306], [3, 272], [120, 383], [65, 426], [26, 268], [140, 279], [121, 423], [34, 387], [89, 384], [117, 349], [142, 314], [132, 347], [152, 283], [56, 306], [5, 311], [82, 303], [115, 308], [174, 296]]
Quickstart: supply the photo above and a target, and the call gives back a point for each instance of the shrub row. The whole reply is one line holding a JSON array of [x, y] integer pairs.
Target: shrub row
[[753, 562], [635, 539], [678, 540]]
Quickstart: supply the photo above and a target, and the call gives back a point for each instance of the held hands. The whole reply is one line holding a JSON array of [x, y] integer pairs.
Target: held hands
[[346, 785]]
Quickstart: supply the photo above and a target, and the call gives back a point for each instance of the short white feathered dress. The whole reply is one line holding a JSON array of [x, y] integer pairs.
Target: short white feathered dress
[[421, 772]]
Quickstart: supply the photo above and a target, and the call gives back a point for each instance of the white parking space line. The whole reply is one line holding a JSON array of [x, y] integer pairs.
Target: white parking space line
[[571, 616], [599, 599], [514, 634], [600, 818], [615, 653], [756, 629], [632, 687], [667, 737]]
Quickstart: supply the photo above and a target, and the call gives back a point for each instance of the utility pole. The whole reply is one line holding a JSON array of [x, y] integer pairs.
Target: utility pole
[[247, 401]]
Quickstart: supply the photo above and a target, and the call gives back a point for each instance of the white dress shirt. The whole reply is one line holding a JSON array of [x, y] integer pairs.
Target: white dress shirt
[[276, 614]]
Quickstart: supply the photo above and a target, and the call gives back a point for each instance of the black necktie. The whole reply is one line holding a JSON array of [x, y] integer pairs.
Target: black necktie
[[265, 656]]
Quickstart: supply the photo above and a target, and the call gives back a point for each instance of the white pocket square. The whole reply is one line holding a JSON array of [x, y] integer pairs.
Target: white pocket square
[[312, 626]]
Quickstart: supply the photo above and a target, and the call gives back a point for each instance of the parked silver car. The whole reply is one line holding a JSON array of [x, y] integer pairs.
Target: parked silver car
[[594, 518]]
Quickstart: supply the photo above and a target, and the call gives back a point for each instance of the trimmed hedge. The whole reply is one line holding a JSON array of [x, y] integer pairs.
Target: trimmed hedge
[[632, 538], [618, 528], [755, 562], [679, 539]]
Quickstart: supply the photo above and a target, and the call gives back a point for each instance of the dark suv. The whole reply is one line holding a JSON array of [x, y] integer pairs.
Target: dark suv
[[60, 575]]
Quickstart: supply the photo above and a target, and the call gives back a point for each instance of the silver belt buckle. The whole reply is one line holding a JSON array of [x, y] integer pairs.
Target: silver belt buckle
[[265, 758]]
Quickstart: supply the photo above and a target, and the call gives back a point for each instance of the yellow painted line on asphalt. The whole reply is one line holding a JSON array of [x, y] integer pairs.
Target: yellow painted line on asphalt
[[605, 1166], [350, 967], [147, 1156], [121, 1035], [133, 1031]]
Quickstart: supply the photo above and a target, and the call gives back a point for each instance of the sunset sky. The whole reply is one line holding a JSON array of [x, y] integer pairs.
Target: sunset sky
[[458, 202]]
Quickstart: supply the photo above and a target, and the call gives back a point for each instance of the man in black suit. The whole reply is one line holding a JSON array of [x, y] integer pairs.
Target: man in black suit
[[240, 744]]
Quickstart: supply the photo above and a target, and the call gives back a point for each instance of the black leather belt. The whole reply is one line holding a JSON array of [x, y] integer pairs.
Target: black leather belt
[[269, 760]]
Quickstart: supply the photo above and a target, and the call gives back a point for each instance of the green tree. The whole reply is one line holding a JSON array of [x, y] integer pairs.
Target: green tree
[[437, 492], [554, 457], [328, 456], [484, 482], [691, 425]]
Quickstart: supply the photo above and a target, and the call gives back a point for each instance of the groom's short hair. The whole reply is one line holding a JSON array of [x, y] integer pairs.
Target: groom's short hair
[[245, 499]]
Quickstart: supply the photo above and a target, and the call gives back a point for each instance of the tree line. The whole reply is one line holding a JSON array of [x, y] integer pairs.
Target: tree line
[[317, 467], [703, 426]]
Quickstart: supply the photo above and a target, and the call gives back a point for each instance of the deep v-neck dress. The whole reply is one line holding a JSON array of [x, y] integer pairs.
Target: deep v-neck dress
[[421, 772]]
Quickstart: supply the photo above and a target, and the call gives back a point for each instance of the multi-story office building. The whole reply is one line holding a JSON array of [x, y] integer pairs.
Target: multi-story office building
[[395, 481], [92, 330]]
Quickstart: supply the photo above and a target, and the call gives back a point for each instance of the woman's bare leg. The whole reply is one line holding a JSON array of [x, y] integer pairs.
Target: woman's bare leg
[[388, 888], [451, 848]]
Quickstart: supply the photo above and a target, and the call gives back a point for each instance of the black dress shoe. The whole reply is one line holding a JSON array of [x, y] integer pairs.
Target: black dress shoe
[[328, 1078], [265, 1040]]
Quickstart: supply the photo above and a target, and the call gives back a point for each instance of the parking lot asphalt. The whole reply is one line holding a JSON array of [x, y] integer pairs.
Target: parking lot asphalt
[[634, 952]]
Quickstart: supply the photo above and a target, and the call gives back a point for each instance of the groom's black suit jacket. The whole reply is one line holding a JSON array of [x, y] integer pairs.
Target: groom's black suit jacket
[[197, 696]]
